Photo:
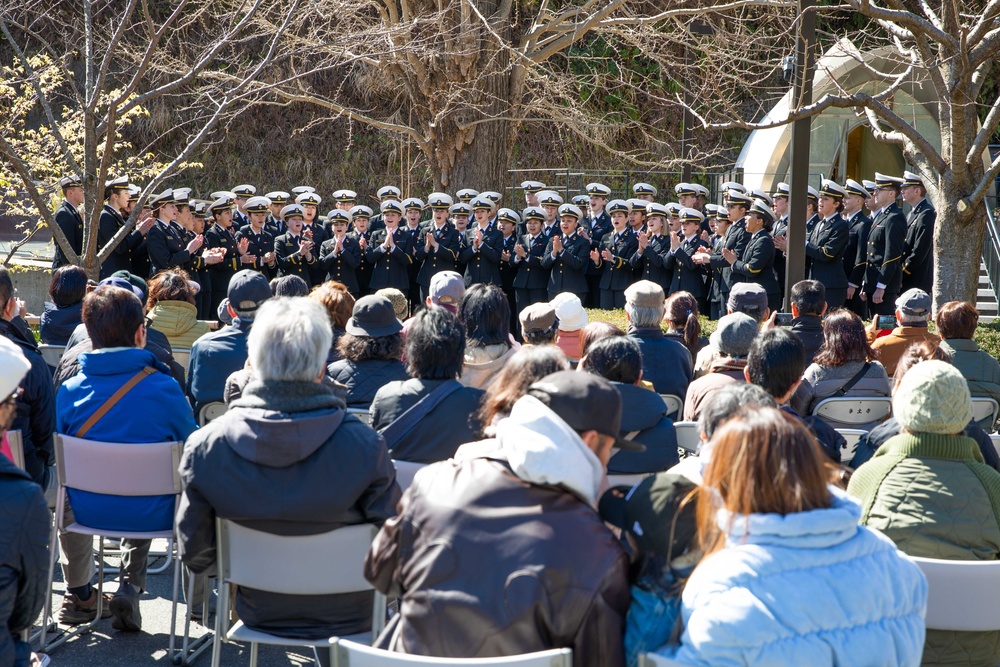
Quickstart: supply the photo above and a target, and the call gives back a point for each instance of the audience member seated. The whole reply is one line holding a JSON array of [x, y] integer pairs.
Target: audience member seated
[[529, 364], [370, 351], [734, 335], [808, 308], [618, 360], [572, 319], [875, 438], [506, 549], [79, 342], [913, 312], [24, 528], [288, 286], [665, 362], [780, 544], [845, 366], [339, 304], [928, 490], [447, 289], [775, 363], [152, 410], [956, 323], [400, 304], [287, 459], [747, 298], [172, 310], [62, 315], [218, 354], [426, 418], [682, 322], [595, 331], [485, 314], [539, 324], [36, 402]]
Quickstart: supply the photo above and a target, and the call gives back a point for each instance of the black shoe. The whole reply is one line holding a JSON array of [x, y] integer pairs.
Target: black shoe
[[125, 609]]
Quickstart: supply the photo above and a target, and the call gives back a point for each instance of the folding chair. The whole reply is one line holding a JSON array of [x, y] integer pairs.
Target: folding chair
[[995, 439], [963, 595], [97, 467], [52, 353], [183, 357], [853, 412], [405, 472], [323, 564], [211, 411], [675, 405], [688, 436], [653, 660], [16, 444], [346, 653], [362, 414], [985, 411], [852, 436]]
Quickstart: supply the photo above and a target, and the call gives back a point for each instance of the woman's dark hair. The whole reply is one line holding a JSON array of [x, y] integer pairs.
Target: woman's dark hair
[[595, 331], [682, 313], [112, 315], [68, 285], [360, 348], [289, 286], [616, 359], [170, 285], [957, 319], [435, 345], [485, 312], [925, 350], [776, 361], [526, 366], [844, 340], [337, 301]]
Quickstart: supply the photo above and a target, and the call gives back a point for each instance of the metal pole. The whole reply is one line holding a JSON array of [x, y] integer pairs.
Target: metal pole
[[795, 265]]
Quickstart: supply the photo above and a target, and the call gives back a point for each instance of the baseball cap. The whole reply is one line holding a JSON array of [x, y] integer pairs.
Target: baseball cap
[[585, 402], [654, 513], [914, 302], [123, 284], [247, 290], [446, 289]]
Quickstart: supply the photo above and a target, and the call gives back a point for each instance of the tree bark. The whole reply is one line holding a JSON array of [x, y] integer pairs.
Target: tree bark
[[958, 247]]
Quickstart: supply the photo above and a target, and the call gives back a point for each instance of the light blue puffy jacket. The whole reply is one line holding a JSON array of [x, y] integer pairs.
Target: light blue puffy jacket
[[811, 588]]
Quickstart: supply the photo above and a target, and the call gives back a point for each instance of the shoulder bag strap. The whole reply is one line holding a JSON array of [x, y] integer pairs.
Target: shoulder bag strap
[[854, 380], [405, 422], [115, 397]]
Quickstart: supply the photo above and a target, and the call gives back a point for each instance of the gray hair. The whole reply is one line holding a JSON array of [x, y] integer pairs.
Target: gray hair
[[905, 319], [644, 318], [727, 401], [290, 340]]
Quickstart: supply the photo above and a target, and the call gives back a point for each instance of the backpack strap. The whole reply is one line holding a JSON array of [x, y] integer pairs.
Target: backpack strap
[[113, 399], [405, 422], [854, 380]]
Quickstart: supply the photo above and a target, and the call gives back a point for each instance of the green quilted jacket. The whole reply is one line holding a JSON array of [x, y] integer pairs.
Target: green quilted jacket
[[178, 321], [934, 497]]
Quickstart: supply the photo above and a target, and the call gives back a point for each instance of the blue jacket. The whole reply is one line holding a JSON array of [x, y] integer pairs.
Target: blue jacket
[[214, 357], [665, 362], [154, 410], [644, 413], [784, 591]]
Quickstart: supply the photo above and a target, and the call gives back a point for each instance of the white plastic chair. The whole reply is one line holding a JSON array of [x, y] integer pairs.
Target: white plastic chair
[[362, 414], [52, 353], [985, 411], [963, 595], [99, 467], [405, 472], [653, 660], [349, 654], [323, 564], [16, 444], [183, 357], [853, 412], [675, 405], [688, 437], [211, 411], [852, 436]]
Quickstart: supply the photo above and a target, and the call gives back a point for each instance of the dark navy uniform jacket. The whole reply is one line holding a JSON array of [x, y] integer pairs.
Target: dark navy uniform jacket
[[856, 255], [290, 261], [885, 250], [71, 223], [652, 261], [341, 267], [825, 249], [483, 266], [222, 272], [167, 247], [258, 245], [568, 268], [685, 275], [392, 268], [120, 258], [918, 248], [617, 272], [441, 259], [756, 264], [530, 272]]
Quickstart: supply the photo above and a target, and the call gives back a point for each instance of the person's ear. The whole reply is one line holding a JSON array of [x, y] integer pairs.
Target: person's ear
[[140, 336], [825, 306], [746, 374], [795, 310]]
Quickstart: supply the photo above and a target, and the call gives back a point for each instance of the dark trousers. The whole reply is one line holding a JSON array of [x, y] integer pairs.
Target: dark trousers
[[524, 297], [715, 310], [611, 299], [857, 306], [835, 298], [592, 298]]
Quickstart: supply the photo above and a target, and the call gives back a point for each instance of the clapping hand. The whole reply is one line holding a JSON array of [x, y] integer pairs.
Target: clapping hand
[[195, 243], [557, 244]]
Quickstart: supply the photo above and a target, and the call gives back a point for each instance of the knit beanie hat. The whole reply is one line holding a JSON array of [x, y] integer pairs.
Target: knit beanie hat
[[933, 397]]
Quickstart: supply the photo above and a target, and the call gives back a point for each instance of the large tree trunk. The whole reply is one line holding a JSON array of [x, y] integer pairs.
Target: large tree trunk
[[958, 247], [477, 159]]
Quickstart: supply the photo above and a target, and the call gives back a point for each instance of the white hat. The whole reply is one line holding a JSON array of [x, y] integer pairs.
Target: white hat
[[598, 190], [571, 210], [388, 191], [310, 198], [13, 367], [570, 312], [550, 198], [644, 189]]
